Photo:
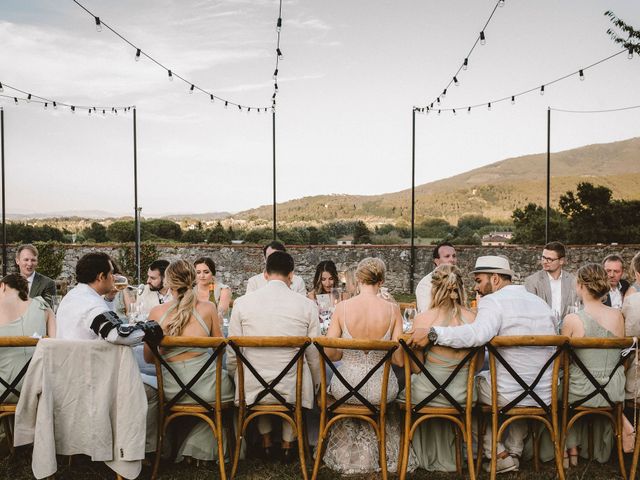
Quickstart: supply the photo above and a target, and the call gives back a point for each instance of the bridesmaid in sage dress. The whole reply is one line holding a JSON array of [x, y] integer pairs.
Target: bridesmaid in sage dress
[[187, 316], [434, 441], [595, 320]]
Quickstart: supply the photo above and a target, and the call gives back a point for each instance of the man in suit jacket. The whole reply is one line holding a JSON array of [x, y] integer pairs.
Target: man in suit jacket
[[260, 280], [614, 266], [276, 310], [552, 283], [39, 285]]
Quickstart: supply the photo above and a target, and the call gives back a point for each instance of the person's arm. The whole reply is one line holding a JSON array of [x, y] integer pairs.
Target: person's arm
[[49, 292], [225, 299], [311, 295], [299, 286], [51, 324], [311, 353], [631, 315], [530, 284], [235, 330], [335, 331], [215, 321], [421, 296], [398, 357], [422, 322], [486, 326], [568, 325]]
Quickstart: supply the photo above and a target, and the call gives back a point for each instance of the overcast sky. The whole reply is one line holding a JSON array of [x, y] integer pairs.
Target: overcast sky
[[352, 70]]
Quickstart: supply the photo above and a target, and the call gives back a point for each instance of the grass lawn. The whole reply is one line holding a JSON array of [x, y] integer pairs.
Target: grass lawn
[[19, 468]]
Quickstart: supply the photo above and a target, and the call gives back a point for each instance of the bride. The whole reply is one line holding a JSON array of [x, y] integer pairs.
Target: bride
[[352, 447]]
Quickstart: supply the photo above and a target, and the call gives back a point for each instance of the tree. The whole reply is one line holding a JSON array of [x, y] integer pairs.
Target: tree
[[630, 39], [473, 222], [434, 228], [218, 235], [588, 211], [122, 231], [165, 229], [361, 233], [96, 232], [529, 225], [193, 236]]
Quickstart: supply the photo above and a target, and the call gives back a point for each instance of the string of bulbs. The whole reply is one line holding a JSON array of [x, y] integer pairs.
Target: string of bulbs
[[55, 104], [480, 39], [539, 88], [278, 57], [171, 74], [606, 110]]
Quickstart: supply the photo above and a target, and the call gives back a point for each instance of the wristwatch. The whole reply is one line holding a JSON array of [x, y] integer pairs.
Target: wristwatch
[[432, 335]]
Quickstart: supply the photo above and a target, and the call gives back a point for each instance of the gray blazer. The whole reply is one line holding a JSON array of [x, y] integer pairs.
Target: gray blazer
[[539, 285], [43, 287]]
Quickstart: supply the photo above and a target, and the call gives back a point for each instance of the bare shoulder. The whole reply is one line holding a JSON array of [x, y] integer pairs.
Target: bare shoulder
[[425, 319], [469, 316], [159, 310], [205, 308]]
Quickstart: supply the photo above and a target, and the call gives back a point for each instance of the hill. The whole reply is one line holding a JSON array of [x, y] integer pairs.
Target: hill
[[494, 190]]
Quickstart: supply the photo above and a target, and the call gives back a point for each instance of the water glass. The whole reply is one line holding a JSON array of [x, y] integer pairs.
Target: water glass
[[409, 315]]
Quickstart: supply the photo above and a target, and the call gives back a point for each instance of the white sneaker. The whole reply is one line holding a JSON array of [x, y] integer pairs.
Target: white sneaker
[[507, 464]]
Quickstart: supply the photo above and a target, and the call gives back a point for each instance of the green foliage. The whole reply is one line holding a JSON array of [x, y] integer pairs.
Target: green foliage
[[218, 235], [25, 233], [259, 236], [122, 231], [388, 239], [165, 229], [630, 38], [96, 232], [529, 225], [319, 237], [361, 233], [473, 222], [50, 259], [193, 236], [126, 259], [434, 228]]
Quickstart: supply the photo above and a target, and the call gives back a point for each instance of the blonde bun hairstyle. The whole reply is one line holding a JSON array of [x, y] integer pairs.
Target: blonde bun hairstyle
[[593, 277], [371, 271], [447, 289]]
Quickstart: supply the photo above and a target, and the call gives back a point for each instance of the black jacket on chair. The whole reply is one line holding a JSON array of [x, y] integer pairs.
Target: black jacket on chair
[[624, 286]]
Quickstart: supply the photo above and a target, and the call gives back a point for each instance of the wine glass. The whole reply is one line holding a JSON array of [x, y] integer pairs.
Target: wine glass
[[55, 302], [409, 315], [336, 296], [120, 282]]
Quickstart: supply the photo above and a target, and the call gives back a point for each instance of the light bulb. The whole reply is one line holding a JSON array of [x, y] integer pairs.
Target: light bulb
[[73, 109], [115, 112], [98, 24], [279, 24], [226, 104], [483, 40], [455, 81], [501, 3], [465, 64], [89, 112], [192, 87], [170, 76], [55, 105], [275, 74], [469, 110], [489, 106], [29, 98], [279, 53], [1, 87], [454, 111], [212, 98], [513, 100], [46, 104], [630, 54], [444, 93], [438, 100], [15, 99], [103, 112], [581, 75], [275, 87], [542, 90], [438, 112], [138, 55], [240, 107]]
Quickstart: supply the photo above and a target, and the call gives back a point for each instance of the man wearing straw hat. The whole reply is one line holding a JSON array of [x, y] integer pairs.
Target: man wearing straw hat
[[505, 309]]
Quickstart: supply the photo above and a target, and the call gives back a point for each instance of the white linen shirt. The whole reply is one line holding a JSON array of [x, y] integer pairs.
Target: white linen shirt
[[259, 281], [77, 310], [509, 311], [556, 294], [423, 293], [30, 279]]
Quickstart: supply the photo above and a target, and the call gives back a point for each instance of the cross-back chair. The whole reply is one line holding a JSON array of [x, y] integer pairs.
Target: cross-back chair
[[338, 409], [186, 402], [281, 408], [576, 410], [10, 395], [503, 416], [460, 415]]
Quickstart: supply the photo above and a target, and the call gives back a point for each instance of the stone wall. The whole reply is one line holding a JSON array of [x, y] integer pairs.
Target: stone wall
[[235, 264]]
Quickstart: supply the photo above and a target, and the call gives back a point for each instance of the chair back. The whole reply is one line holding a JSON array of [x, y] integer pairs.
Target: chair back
[[354, 391], [597, 344], [300, 344], [554, 362], [217, 346], [10, 385], [470, 360]]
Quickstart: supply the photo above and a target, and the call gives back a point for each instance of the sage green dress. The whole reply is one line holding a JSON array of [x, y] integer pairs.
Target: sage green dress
[[195, 436], [434, 441], [600, 362]]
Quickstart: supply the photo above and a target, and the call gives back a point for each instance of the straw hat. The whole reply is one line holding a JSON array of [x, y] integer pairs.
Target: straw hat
[[493, 264]]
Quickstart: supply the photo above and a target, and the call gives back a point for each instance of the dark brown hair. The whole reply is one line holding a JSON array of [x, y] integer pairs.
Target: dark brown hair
[[208, 262], [556, 247], [19, 283], [325, 266]]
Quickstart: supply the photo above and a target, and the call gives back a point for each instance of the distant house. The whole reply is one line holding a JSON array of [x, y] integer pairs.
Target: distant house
[[496, 239], [237, 242], [345, 240]]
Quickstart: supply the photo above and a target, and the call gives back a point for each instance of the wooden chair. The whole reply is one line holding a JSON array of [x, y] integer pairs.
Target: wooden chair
[[8, 409], [338, 409], [282, 409], [503, 416], [572, 412], [170, 409], [459, 415]]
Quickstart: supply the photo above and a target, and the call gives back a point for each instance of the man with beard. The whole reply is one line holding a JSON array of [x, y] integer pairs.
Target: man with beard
[[504, 309], [155, 293]]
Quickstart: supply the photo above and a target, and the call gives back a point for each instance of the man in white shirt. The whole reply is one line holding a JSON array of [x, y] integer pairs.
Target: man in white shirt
[[260, 280], [84, 302], [443, 254], [504, 309], [39, 285], [155, 292], [552, 284], [614, 266]]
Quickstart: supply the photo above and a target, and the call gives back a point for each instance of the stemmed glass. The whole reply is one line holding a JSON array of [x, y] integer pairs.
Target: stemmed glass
[[409, 315], [55, 301], [336, 296], [325, 310], [120, 282]]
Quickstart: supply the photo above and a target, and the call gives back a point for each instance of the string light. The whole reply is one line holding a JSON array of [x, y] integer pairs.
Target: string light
[[212, 98], [15, 99], [454, 111], [1, 87], [630, 54], [275, 74], [29, 98], [444, 93], [455, 81], [170, 73], [279, 25], [483, 40], [489, 106], [468, 109], [465, 64], [73, 109], [542, 90], [192, 87], [279, 53], [581, 75]]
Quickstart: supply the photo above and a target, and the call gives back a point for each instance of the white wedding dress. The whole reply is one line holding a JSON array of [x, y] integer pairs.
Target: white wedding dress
[[352, 446]]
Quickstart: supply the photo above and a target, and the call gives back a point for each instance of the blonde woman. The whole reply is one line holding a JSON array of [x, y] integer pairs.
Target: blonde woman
[[635, 286], [352, 447], [599, 321], [186, 316], [434, 444]]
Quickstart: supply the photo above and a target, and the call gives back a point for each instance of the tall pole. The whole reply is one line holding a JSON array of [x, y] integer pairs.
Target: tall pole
[[546, 220], [412, 265], [4, 212], [135, 194], [273, 117]]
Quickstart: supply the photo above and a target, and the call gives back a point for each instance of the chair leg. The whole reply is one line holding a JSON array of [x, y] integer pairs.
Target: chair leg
[[220, 441], [636, 454], [480, 435], [382, 441], [458, 449], [618, 432], [300, 432], [494, 445], [238, 446], [316, 464], [469, 441], [403, 460], [158, 455], [536, 446]]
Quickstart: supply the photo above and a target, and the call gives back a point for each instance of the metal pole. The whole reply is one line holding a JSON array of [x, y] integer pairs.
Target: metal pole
[[4, 212], [412, 265], [136, 211], [546, 220], [273, 116]]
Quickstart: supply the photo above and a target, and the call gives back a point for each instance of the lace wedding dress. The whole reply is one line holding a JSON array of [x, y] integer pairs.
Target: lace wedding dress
[[352, 446]]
